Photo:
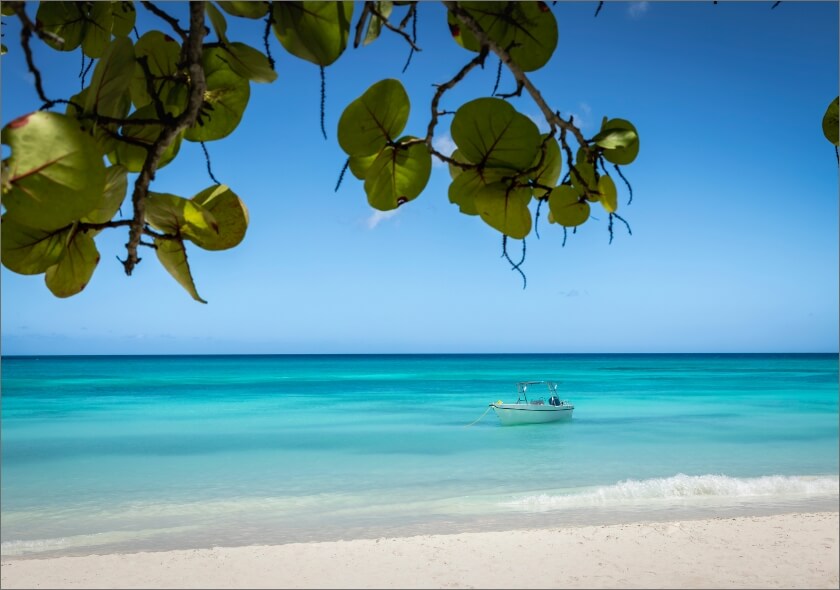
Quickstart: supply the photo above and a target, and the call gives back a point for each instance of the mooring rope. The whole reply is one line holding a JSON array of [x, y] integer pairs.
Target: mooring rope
[[480, 417]]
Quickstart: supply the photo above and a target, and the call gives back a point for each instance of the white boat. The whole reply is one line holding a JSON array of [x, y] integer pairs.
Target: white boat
[[535, 410]]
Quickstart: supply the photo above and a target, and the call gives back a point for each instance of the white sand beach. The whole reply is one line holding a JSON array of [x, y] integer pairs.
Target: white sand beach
[[783, 551]]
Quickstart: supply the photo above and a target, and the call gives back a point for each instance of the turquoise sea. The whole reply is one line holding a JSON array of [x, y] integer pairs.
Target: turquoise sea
[[105, 454]]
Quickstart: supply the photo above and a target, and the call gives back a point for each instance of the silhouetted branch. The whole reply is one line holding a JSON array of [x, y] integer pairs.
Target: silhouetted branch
[[173, 22]]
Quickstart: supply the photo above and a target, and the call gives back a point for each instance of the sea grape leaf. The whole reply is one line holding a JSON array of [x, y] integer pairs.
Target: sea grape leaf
[[529, 29], [374, 24], [623, 154], [466, 185], [359, 165], [583, 176], [552, 165], [398, 175], [455, 171], [489, 132], [29, 251], [133, 156], [230, 216], [249, 63], [97, 32], [227, 93], [162, 53], [63, 19], [112, 76], [3, 49], [566, 207], [179, 216], [609, 194], [173, 256], [217, 19], [314, 31], [116, 184], [830, 122], [124, 16], [375, 118], [246, 9], [613, 138], [74, 269], [505, 209], [55, 173], [103, 133]]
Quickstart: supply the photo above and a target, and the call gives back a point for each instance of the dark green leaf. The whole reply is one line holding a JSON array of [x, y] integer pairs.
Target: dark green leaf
[[249, 63], [374, 25], [30, 251], [74, 269], [108, 94], [375, 118], [227, 93], [63, 19], [246, 9], [830, 122], [116, 184], [314, 31], [124, 17], [97, 33], [133, 156]]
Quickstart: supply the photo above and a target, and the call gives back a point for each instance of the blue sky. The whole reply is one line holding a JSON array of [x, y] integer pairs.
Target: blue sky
[[734, 216]]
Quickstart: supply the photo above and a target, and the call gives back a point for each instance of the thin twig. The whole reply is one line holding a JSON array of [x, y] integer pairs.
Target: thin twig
[[600, 6], [341, 175], [173, 22], [268, 21], [375, 12], [207, 159]]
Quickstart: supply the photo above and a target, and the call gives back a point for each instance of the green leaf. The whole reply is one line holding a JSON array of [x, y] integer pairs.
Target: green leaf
[[398, 175], [467, 183], [609, 194], [552, 165], [116, 185], [173, 256], [566, 206], [623, 154], [455, 171], [124, 16], [97, 33], [162, 53], [217, 19], [229, 213], [314, 31], [63, 19], [108, 93], [249, 63], [29, 251], [374, 25], [359, 165], [584, 177], [245, 9], [505, 209], [55, 173], [3, 49], [528, 28], [374, 119], [133, 156], [75, 267], [179, 216], [489, 132], [830, 122], [227, 93], [613, 138]]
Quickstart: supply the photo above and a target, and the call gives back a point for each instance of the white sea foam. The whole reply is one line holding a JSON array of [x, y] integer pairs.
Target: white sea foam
[[686, 488]]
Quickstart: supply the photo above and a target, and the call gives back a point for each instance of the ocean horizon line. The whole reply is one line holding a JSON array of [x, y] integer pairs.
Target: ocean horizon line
[[427, 354]]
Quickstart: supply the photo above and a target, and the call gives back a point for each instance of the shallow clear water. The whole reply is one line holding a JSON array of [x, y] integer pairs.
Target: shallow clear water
[[127, 453]]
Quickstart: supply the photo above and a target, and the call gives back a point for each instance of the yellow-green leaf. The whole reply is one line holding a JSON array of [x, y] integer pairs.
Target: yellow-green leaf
[[314, 31], [375, 118], [609, 194], [229, 214], [566, 206], [179, 216], [173, 256], [55, 173], [505, 209], [116, 184], [831, 122], [397, 176]]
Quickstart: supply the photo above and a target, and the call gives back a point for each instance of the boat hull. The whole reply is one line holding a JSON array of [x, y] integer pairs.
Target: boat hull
[[512, 414]]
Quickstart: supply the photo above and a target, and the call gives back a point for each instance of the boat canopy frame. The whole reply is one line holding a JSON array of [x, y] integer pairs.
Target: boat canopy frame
[[522, 389]]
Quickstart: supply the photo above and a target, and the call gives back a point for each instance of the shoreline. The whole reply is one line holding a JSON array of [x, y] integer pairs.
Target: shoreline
[[793, 550]]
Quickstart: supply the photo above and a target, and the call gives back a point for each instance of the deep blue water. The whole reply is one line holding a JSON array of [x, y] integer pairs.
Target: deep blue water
[[125, 453]]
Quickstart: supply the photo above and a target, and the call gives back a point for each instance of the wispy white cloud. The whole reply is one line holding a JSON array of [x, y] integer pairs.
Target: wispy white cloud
[[445, 145], [637, 9], [379, 216]]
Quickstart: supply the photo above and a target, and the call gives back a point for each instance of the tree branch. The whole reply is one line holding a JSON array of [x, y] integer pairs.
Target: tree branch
[[168, 18], [193, 48]]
